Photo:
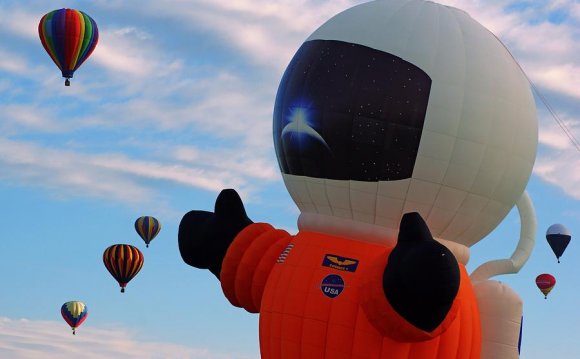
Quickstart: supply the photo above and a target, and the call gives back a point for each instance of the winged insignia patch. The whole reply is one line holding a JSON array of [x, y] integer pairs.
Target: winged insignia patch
[[340, 263]]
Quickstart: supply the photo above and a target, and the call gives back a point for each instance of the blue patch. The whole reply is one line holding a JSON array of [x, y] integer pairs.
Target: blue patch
[[340, 263], [332, 285]]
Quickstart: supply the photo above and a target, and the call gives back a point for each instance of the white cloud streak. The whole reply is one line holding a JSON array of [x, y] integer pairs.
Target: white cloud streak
[[223, 106], [564, 78], [264, 31], [28, 339], [67, 172], [16, 117], [561, 169], [126, 51], [20, 22], [559, 164], [244, 162], [554, 138], [12, 63], [127, 179]]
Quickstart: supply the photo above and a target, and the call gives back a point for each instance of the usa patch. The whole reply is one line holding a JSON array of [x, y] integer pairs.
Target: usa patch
[[332, 285]]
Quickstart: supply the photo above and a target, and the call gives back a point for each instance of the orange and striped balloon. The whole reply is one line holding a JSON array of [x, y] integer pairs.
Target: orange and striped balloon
[[123, 261], [147, 227]]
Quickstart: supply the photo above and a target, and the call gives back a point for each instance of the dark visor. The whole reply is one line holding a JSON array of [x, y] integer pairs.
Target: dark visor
[[345, 111]]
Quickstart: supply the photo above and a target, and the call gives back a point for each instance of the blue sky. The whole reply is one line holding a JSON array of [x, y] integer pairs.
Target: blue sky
[[174, 105]]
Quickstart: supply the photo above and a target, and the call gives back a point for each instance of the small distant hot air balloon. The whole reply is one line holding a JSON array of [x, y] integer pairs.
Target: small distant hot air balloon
[[74, 313], [545, 283], [558, 238], [69, 36], [123, 261], [147, 227]]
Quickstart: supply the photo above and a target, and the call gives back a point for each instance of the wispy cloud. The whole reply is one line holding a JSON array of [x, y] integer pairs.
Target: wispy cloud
[[21, 22], [562, 170], [192, 177], [119, 176], [244, 162], [18, 117], [30, 339], [575, 10], [564, 78], [559, 164], [12, 63], [127, 51], [554, 137], [66, 172], [221, 105], [265, 32]]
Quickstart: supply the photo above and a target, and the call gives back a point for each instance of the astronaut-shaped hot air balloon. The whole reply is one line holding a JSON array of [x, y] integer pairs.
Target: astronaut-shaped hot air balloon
[[405, 132]]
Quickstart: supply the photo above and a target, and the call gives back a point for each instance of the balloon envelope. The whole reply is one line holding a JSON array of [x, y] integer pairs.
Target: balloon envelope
[[558, 237], [69, 37], [74, 313], [147, 227], [545, 283], [123, 261]]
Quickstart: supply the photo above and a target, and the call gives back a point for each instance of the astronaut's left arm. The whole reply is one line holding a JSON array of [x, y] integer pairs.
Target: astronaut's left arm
[[410, 293]]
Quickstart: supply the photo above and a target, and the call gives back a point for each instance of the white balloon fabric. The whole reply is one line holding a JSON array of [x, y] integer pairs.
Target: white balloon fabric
[[477, 144], [558, 229], [501, 320]]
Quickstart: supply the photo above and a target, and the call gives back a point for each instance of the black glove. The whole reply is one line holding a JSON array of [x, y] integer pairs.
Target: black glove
[[204, 237], [421, 279]]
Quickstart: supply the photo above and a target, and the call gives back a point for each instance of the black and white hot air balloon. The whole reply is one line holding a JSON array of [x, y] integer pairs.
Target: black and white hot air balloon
[[558, 237]]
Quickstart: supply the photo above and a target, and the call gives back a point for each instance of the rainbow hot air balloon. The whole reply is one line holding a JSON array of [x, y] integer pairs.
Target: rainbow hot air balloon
[[545, 283], [69, 36], [147, 227], [74, 313], [123, 261]]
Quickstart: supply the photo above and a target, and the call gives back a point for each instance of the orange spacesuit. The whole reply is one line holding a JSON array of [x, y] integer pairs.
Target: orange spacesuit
[[320, 296]]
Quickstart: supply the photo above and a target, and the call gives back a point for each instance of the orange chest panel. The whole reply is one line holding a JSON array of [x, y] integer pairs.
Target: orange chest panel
[[311, 308]]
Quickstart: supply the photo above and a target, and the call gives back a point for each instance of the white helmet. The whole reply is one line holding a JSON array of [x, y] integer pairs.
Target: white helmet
[[399, 106]]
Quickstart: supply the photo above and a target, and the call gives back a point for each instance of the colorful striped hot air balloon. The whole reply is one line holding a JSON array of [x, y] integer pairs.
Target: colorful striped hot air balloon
[[147, 227], [74, 313], [123, 261], [69, 36], [545, 283]]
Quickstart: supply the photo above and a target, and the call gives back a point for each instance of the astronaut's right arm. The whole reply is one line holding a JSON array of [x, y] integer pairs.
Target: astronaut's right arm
[[239, 252]]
